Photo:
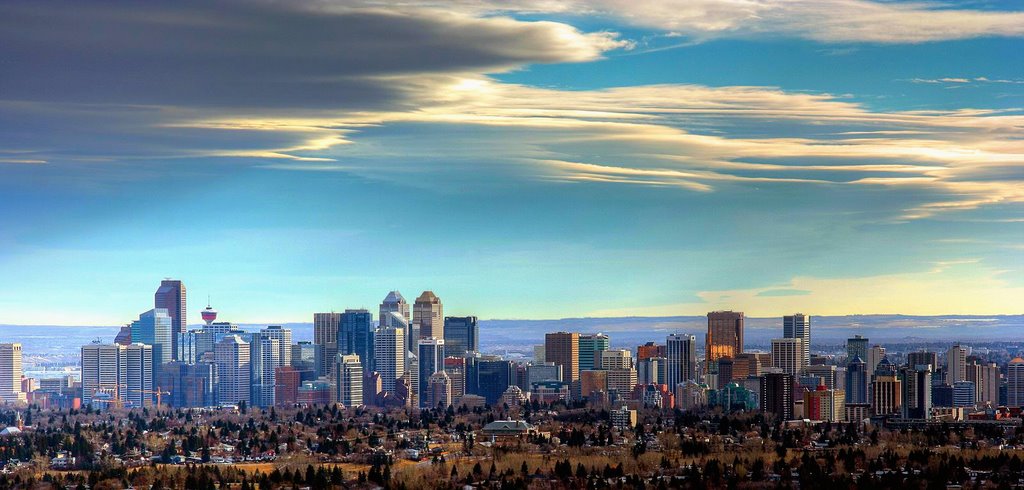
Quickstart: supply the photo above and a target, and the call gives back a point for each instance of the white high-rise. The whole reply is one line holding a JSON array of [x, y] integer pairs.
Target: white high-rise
[[349, 380], [231, 355], [264, 358], [798, 326], [103, 374], [10, 373], [682, 359], [788, 355], [875, 355], [394, 303], [389, 349], [956, 364], [138, 375], [1015, 383], [284, 338]]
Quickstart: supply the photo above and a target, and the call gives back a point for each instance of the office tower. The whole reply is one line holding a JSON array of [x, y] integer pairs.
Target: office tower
[[875, 355], [431, 361], [439, 391], [825, 404], [355, 336], [615, 359], [539, 353], [886, 391], [755, 363], [593, 386], [284, 339], [389, 350], [461, 334], [286, 388], [724, 337], [494, 376], [591, 346], [923, 357], [394, 302], [539, 373], [138, 377], [682, 359], [956, 364], [1015, 383], [325, 334], [563, 349], [857, 347], [188, 385], [428, 316], [170, 296], [371, 388], [154, 328], [412, 375], [777, 395], [264, 359], [231, 355], [857, 381], [788, 355], [649, 350], [651, 370], [307, 356], [827, 373], [124, 336], [11, 373], [798, 326], [349, 380], [964, 394], [456, 369], [917, 391], [103, 373], [723, 373]]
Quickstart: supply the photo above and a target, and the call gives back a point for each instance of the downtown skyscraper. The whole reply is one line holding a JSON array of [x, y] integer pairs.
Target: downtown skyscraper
[[355, 336], [461, 335], [171, 296], [154, 328], [798, 326], [394, 302], [10, 373], [427, 317], [681, 365], [724, 337], [325, 335]]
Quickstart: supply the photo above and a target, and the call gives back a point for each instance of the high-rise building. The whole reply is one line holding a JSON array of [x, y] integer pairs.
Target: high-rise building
[[875, 355], [682, 359], [591, 346], [286, 389], [428, 316], [539, 373], [563, 349], [284, 339], [923, 357], [857, 381], [956, 364], [325, 334], [615, 359], [825, 404], [777, 395], [917, 391], [389, 350], [349, 380], [724, 337], [355, 336], [886, 393], [456, 369], [649, 350], [139, 375], [264, 359], [538, 353], [231, 355], [189, 385], [171, 296], [307, 356], [857, 347], [826, 372], [493, 377], [1015, 383], [154, 328], [988, 384], [652, 370], [394, 302], [964, 394], [439, 391], [461, 334], [788, 355], [10, 373], [412, 375], [798, 326], [431, 361]]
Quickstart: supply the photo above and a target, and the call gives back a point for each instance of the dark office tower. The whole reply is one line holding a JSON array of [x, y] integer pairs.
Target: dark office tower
[[798, 326], [493, 378], [171, 297], [563, 349], [591, 347], [923, 357], [917, 391], [325, 335], [725, 373], [355, 336], [725, 336], [461, 334], [431, 357], [428, 317], [857, 347], [154, 328], [394, 303], [857, 381], [682, 359], [777, 395]]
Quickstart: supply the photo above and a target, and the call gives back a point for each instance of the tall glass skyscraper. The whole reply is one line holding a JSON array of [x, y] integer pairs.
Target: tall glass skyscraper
[[171, 297], [461, 334], [154, 328], [394, 302], [355, 336], [681, 365], [591, 346], [431, 359]]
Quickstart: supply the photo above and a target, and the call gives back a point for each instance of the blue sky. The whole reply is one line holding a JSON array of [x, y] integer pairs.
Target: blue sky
[[548, 160]]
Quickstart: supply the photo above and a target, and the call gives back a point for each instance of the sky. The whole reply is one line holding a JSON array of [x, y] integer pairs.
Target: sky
[[533, 159]]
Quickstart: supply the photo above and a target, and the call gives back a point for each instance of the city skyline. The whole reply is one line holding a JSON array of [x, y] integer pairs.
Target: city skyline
[[543, 160]]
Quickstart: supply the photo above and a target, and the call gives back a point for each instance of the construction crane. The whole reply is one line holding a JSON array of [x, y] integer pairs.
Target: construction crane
[[158, 392]]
